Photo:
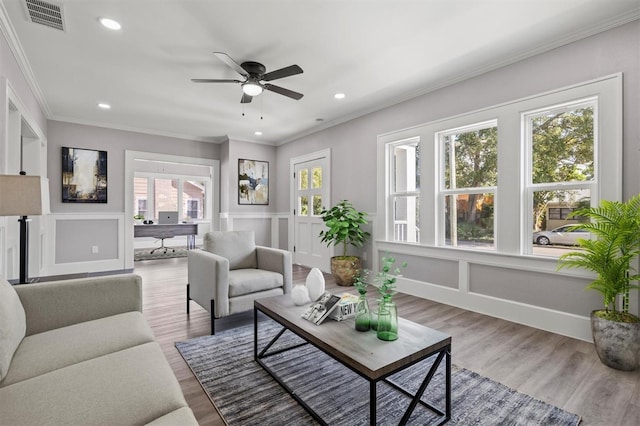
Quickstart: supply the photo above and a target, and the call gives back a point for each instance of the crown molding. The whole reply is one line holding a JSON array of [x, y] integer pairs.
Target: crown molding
[[11, 37]]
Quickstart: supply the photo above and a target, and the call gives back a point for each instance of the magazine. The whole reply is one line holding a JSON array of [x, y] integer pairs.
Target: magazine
[[321, 308]]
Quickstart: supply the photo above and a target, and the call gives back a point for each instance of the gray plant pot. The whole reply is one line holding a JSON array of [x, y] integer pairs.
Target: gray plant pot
[[617, 343]]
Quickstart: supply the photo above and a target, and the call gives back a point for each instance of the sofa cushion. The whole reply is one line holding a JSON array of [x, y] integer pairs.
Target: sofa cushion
[[129, 387], [13, 325], [245, 281], [237, 246], [54, 349]]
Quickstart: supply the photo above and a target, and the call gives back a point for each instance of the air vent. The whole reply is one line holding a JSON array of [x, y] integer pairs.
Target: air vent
[[45, 13]]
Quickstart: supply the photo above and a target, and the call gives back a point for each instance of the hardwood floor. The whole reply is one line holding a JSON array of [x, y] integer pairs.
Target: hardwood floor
[[556, 369]]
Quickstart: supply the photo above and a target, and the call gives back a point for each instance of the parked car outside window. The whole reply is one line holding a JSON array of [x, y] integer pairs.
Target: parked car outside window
[[562, 235]]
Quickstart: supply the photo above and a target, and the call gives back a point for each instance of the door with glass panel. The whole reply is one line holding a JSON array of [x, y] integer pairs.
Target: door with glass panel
[[311, 195]]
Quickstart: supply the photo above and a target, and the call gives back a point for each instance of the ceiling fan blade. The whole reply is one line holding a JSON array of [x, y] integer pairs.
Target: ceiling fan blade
[[282, 72], [231, 63], [246, 99], [213, 80], [282, 91]]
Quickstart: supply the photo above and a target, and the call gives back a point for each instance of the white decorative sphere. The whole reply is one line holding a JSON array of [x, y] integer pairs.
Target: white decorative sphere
[[315, 283], [300, 295]]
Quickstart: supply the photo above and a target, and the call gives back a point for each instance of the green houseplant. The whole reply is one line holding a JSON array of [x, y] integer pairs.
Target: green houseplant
[[611, 255], [343, 224]]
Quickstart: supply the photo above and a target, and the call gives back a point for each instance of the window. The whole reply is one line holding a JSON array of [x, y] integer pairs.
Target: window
[[310, 188], [153, 194], [193, 192], [451, 184], [561, 166], [140, 188], [405, 188], [469, 180]]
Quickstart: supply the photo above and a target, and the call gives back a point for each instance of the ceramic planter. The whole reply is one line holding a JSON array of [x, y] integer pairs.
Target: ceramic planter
[[344, 269], [617, 343]]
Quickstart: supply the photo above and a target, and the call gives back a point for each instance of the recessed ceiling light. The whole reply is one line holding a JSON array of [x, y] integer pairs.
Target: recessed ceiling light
[[104, 105], [339, 95], [110, 23], [257, 133]]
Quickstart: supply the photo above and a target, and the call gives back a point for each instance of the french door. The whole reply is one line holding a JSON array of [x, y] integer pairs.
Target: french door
[[310, 196]]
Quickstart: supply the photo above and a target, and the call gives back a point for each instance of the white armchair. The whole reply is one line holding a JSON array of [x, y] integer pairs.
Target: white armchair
[[231, 272]]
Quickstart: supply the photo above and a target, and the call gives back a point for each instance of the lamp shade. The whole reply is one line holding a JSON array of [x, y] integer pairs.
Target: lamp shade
[[24, 195]]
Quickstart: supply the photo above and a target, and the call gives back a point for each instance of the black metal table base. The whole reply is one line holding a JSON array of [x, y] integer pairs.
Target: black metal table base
[[444, 353]]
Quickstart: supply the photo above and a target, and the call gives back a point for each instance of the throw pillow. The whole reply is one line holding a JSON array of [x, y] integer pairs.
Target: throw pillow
[[237, 246], [13, 325]]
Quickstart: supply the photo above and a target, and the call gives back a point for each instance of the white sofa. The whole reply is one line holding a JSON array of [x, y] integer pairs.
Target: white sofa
[[79, 352]]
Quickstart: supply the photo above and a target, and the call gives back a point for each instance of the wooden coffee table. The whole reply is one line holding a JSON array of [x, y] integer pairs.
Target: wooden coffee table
[[362, 352]]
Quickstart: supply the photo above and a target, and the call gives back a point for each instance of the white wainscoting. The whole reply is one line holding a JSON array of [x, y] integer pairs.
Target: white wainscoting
[[541, 317], [267, 226], [79, 256]]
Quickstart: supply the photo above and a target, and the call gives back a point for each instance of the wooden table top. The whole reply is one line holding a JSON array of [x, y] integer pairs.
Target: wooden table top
[[362, 351]]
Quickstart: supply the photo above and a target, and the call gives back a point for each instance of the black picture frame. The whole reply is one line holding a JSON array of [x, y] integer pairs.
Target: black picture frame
[[84, 175], [253, 182]]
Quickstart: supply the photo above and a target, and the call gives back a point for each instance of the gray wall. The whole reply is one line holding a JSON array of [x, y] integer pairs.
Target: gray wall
[[250, 151], [353, 143], [531, 292], [75, 239], [115, 142]]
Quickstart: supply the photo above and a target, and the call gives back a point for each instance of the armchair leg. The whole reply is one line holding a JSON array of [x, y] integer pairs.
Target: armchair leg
[[213, 317], [188, 298]]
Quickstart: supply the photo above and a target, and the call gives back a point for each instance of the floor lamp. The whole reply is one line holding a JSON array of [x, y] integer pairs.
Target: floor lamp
[[24, 196]]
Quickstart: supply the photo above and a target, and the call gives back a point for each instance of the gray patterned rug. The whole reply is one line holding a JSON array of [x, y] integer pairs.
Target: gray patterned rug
[[245, 394]]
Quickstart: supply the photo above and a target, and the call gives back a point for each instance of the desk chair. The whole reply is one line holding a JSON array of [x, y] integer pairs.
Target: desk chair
[[162, 246], [231, 272]]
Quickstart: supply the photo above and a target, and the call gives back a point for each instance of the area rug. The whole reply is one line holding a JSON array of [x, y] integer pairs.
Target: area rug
[[245, 394]]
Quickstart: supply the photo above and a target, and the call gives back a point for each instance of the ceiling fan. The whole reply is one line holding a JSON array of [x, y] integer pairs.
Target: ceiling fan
[[255, 76]]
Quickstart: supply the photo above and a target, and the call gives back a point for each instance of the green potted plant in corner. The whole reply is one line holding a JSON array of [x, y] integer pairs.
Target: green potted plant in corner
[[343, 224], [616, 331], [138, 219]]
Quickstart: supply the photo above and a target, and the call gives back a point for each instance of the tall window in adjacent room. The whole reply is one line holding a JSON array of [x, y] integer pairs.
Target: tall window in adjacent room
[[468, 185], [193, 193]]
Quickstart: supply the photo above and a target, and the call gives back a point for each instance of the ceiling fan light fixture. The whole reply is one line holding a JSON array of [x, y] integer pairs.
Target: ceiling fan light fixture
[[251, 88]]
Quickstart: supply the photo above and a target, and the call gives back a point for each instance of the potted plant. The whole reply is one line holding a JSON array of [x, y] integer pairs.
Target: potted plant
[[138, 219], [343, 223], [616, 331]]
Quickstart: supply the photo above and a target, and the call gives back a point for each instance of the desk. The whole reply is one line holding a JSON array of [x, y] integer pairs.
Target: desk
[[188, 229]]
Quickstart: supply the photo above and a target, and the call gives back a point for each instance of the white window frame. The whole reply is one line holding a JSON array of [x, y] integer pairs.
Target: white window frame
[[531, 187], [513, 229], [444, 192], [393, 194]]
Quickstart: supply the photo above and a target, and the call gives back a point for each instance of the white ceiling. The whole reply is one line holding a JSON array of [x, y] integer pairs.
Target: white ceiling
[[376, 52]]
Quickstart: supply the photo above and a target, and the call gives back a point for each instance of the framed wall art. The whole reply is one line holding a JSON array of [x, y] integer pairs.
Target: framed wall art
[[253, 182], [84, 175]]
